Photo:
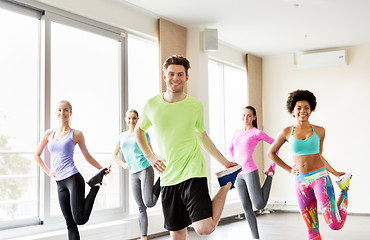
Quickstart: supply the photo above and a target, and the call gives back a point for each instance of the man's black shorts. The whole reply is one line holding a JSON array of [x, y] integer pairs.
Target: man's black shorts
[[186, 202]]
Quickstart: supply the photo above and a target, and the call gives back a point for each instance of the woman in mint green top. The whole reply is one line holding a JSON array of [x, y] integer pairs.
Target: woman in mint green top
[[131, 152], [142, 174]]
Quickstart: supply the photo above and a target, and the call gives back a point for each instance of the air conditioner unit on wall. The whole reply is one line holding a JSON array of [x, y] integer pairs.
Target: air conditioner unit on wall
[[320, 59]]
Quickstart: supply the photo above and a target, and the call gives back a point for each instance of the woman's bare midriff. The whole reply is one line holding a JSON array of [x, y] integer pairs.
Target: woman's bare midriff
[[307, 163]]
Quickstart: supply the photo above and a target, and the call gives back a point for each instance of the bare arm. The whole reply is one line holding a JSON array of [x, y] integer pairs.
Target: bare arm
[[151, 148], [37, 156], [155, 161], [115, 157], [208, 145], [79, 139], [331, 169], [324, 161], [275, 147]]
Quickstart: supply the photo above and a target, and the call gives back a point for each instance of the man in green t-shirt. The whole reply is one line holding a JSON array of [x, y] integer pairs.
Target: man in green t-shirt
[[179, 128]]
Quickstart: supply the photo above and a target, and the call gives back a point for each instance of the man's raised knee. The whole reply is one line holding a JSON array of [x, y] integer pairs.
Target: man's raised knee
[[205, 230]]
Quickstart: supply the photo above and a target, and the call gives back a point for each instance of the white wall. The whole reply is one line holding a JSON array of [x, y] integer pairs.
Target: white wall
[[343, 109], [112, 12], [229, 55]]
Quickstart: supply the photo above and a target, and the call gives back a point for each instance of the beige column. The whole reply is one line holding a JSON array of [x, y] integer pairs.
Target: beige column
[[254, 86], [172, 40]]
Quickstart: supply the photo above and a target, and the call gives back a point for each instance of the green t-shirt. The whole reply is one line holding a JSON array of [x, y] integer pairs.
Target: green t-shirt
[[175, 126]]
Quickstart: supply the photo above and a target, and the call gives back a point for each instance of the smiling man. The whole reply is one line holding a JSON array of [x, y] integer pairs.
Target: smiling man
[[179, 128]]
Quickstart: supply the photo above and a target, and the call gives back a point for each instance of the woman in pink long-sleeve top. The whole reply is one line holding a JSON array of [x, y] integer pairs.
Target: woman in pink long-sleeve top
[[247, 183]]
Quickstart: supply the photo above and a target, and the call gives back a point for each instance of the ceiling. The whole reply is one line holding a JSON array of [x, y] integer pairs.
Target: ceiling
[[271, 27]]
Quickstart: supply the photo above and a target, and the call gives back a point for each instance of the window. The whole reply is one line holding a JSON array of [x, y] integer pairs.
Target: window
[[19, 75], [85, 71], [143, 72], [66, 57], [63, 58], [227, 98]]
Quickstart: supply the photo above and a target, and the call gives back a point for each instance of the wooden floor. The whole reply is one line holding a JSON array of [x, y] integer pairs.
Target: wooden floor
[[285, 226]]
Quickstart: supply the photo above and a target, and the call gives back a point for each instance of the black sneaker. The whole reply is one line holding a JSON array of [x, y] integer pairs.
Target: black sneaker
[[98, 178]]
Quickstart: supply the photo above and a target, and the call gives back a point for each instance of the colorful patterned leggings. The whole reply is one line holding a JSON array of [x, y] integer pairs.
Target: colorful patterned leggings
[[316, 187]]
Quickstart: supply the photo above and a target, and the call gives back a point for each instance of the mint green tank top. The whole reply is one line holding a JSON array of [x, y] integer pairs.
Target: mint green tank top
[[308, 146]]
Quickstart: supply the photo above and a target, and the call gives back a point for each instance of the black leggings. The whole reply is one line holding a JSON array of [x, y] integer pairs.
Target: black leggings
[[75, 207]]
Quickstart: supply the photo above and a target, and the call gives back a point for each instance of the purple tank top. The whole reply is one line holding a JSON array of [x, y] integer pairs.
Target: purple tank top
[[62, 155]]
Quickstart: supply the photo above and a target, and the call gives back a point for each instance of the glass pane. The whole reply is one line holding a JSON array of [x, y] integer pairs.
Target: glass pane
[[235, 100], [19, 61], [227, 97], [137, 78], [18, 187], [216, 119], [85, 71], [143, 70]]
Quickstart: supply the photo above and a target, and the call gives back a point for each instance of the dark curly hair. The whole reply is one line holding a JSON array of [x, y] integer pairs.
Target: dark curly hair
[[176, 60], [300, 95]]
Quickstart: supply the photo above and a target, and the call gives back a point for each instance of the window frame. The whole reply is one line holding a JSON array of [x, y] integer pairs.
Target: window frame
[[47, 14], [224, 142], [133, 210], [45, 100], [37, 14]]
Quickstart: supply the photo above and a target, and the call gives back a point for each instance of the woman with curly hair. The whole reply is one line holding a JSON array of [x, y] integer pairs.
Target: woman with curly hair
[[313, 184]]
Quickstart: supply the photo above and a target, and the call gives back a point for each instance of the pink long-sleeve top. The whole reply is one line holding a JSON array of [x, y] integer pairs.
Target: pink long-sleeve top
[[242, 147]]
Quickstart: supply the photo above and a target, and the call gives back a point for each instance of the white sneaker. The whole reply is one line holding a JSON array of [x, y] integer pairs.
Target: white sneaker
[[344, 181]]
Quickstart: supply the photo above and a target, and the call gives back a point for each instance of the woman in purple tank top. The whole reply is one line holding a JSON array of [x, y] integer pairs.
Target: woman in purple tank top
[[75, 207]]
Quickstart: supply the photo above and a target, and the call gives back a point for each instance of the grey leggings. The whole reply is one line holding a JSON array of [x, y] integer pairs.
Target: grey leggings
[[142, 189], [250, 191]]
